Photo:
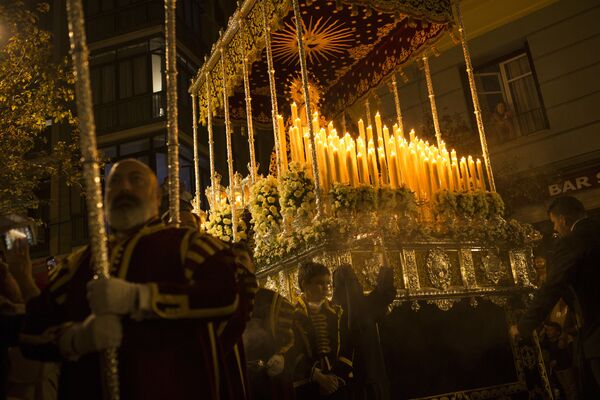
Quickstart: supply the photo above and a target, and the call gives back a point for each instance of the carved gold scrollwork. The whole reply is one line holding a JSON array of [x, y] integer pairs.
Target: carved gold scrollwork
[[467, 268], [500, 301], [271, 284], [444, 304], [438, 268], [283, 287], [520, 268], [528, 356], [492, 266], [409, 270]]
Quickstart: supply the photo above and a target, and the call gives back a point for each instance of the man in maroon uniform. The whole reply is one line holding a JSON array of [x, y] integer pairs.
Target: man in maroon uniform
[[176, 306]]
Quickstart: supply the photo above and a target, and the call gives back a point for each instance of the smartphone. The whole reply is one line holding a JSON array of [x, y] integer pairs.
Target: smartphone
[[18, 233]]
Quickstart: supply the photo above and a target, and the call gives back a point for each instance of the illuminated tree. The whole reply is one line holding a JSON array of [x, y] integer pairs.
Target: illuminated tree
[[35, 92]]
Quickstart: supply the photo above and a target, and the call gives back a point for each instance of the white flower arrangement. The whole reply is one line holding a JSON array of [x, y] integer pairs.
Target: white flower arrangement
[[219, 225], [296, 189], [264, 206]]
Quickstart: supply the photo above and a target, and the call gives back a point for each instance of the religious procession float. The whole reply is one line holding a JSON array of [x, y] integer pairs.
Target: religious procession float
[[371, 192]]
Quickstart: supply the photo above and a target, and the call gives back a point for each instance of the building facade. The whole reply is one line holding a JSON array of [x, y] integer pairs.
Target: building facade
[[127, 71], [536, 71]]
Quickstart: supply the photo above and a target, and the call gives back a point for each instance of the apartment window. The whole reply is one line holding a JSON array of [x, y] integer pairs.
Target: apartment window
[[510, 99], [127, 84]]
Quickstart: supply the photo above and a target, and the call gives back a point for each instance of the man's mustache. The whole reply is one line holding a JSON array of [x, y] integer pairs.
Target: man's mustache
[[125, 199]]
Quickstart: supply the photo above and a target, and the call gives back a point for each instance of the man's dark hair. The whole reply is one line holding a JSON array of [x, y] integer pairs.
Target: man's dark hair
[[309, 270], [567, 206]]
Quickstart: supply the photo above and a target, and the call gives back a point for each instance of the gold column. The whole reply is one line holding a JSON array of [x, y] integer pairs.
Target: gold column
[[211, 141], [394, 86], [368, 111], [229, 150], [196, 149], [91, 173], [434, 114], [273, 90], [476, 107], [311, 133], [248, 107], [172, 124]]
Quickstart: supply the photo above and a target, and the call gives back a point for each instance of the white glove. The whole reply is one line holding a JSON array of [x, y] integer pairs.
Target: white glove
[[96, 333], [113, 296], [275, 365]]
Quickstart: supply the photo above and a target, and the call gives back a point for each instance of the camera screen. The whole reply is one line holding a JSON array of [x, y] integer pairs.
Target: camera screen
[[18, 233]]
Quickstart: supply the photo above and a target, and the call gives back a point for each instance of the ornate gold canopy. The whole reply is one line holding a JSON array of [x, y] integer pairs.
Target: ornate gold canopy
[[351, 47]]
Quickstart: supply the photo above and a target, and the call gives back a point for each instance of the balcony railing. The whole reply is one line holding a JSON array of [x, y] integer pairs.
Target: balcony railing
[[130, 112]]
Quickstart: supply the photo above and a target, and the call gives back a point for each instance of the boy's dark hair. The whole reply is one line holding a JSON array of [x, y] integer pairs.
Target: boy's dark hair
[[567, 206], [309, 270]]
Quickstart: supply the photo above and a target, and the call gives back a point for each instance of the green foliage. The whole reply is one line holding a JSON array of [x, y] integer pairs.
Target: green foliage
[[33, 90]]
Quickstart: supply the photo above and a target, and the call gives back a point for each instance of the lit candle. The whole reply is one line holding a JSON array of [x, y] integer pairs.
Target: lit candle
[[458, 185], [393, 167], [465, 174], [294, 111], [427, 179], [322, 165], [282, 145], [481, 176], [473, 174], [336, 163], [292, 144], [435, 177], [361, 130], [386, 141], [378, 127], [412, 135], [363, 168], [383, 167], [328, 159], [413, 166], [351, 168], [373, 171], [441, 169]]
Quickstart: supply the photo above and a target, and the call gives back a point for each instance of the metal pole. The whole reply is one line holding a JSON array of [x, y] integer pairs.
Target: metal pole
[[476, 106], [172, 125], [248, 109], [196, 149], [273, 90], [91, 173], [434, 114], [394, 86], [229, 151], [311, 133], [211, 143]]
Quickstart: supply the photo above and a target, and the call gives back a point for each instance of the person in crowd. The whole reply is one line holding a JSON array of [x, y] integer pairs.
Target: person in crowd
[[574, 275], [21, 378], [556, 354], [364, 312], [267, 339], [322, 353], [175, 305]]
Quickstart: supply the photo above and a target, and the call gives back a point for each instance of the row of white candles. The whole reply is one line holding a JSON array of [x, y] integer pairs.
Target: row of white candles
[[387, 160]]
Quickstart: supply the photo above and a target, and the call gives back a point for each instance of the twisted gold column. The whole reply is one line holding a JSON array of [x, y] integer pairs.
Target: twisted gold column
[[273, 90], [394, 86], [248, 109], [476, 106], [229, 151], [172, 124], [434, 114], [211, 142], [196, 149], [91, 173], [311, 133]]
